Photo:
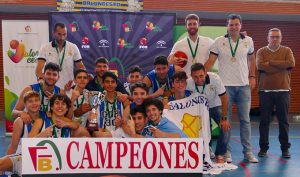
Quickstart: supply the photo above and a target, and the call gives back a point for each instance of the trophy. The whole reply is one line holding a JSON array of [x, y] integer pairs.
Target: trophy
[[95, 98]]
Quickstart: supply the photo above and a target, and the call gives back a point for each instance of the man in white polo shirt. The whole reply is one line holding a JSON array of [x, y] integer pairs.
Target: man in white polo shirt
[[211, 86], [61, 52], [196, 47], [235, 53]]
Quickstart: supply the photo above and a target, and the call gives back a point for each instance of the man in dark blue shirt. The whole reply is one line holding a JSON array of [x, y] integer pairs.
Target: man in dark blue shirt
[[101, 66]]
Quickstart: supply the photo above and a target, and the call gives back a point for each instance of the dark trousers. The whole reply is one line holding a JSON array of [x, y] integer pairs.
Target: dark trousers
[[268, 101]]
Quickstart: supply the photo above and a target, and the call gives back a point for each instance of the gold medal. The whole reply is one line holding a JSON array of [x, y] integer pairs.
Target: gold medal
[[233, 59], [193, 61]]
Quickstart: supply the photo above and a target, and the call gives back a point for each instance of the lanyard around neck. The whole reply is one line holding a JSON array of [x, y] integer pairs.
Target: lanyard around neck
[[233, 51], [60, 59], [81, 102], [203, 88], [194, 52]]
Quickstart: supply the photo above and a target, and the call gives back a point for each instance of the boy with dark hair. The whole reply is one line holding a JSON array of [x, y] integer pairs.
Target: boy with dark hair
[[159, 79], [179, 90], [55, 122], [158, 126], [135, 75], [139, 92], [110, 108], [101, 66], [81, 104], [45, 89]]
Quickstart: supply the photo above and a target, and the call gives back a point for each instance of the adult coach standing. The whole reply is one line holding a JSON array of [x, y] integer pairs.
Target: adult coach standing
[[196, 47], [235, 53], [274, 63], [61, 52]]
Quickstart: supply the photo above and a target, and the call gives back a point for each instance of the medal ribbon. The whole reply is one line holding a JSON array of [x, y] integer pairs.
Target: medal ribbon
[[54, 131], [194, 53], [60, 59], [81, 102], [203, 88], [233, 52]]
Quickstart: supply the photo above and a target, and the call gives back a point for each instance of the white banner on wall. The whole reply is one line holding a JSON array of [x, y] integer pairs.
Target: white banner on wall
[[99, 155], [21, 42]]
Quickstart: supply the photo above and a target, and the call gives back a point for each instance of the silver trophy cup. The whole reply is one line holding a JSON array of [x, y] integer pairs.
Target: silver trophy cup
[[95, 98]]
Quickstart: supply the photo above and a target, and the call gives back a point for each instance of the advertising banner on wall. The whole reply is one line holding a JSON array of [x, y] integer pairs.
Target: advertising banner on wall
[[126, 39], [21, 42], [112, 155], [100, 5]]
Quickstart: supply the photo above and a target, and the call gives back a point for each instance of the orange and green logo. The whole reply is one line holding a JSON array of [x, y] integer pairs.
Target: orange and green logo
[[98, 26], [17, 55], [151, 27], [123, 44], [17, 52], [44, 161]]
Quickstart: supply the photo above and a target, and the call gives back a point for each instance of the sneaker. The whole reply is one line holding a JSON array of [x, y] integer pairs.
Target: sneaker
[[211, 153], [286, 154], [249, 157], [228, 158], [262, 153]]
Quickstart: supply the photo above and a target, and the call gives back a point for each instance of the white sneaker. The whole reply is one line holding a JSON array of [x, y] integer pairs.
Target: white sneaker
[[249, 157], [228, 158]]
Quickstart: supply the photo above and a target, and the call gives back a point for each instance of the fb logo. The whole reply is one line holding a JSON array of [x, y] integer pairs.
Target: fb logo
[[44, 161]]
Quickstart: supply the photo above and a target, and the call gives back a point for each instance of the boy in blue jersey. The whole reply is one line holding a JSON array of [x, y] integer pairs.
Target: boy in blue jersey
[[55, 122], [109, 109], [159, 79], [21, 129], [179, 88], [158, 126], [45, 89]]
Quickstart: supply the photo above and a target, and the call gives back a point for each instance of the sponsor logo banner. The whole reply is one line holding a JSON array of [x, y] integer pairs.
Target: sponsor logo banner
[[131, 38], [78, 155], [100, 5], [20, 52]]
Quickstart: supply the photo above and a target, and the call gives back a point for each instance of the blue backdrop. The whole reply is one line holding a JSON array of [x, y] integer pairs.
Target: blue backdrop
[[124, 38]]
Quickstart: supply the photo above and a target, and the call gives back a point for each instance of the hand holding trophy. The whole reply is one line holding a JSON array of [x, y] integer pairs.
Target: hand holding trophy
[[95, 98]]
